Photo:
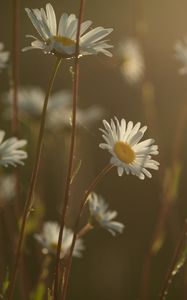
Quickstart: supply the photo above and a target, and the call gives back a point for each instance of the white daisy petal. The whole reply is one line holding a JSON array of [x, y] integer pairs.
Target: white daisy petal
[[62, 24], [51, 18], [10, 154], [120, 171], [84, 26]]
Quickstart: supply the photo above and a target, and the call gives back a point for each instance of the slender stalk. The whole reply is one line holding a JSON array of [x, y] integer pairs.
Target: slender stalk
[[166, 203], [15, 65], [84, 230], [76, 234], [14, 88], [169, 275], [15, 77], [72, 148], [157, 231], [29, 203]]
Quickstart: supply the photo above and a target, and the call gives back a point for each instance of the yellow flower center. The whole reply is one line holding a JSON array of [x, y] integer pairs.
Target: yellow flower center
[[124, 152], [64, 40]]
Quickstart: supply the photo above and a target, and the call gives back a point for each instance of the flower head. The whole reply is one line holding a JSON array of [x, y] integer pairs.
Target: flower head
[[60, 112], [10, 153], [102, 215], [122, 142], [4, 56], [62, 40], [132, 61], [181, 55], [49, 240], [30, 101]]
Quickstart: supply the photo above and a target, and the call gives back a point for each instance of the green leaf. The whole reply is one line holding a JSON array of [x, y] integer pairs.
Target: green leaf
[[5, 285], [49, 295], [75, 172], [39, 293], [181, 261], [158, 243]]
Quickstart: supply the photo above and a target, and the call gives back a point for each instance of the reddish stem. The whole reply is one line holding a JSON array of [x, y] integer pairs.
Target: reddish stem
[[29, 203]]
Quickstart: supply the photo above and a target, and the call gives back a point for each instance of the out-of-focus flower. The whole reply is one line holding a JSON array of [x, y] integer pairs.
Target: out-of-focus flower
[[49, 240], [59, 112], [10, 153], [181, 54], [122, 142], [4, 56], [30, 101], [7, 187], [62, 41], [132, 61], [101, 215]]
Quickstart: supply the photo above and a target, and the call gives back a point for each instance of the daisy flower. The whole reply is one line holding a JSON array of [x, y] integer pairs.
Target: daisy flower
[[10, 153], [49, 240], [122, 142], [181, 54], [132, 61], [30, 101], [62, 40], [101, 215], [4, 56], [60, 112]]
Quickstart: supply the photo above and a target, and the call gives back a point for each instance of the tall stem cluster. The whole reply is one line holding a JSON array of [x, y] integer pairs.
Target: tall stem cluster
[[71, 151], [29, 203]]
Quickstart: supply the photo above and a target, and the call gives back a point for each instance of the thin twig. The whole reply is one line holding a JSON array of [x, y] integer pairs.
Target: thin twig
[[84, 201], [72, 148], [178, 251], [14, 89], [15, 65], [29, 203]]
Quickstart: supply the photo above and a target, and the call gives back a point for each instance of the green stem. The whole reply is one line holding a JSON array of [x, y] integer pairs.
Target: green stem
[[169, 275], [71, 154], [29, 203]]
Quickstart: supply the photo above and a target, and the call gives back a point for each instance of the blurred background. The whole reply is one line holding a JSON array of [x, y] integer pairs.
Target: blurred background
[[132, 265]]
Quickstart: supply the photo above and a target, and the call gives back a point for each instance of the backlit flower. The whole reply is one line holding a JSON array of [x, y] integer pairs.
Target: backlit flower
[[132, 61], [62, 40], [101, 215], [49, 240], [59, 111], [122, 142], [10, 153]]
